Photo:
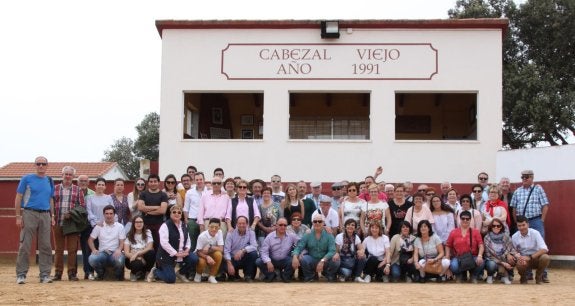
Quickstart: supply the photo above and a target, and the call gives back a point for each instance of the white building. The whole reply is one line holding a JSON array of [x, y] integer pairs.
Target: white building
[[263, 97]]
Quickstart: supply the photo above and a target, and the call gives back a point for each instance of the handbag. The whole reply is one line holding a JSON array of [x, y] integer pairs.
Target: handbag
[[432, 268], [466, 261]]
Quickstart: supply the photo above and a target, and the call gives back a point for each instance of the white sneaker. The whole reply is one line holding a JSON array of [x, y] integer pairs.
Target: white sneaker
[[20, 280], [505, 280], [342, 279], [133, 277], [408, 279], [367, 279], [212, 279], [359, 280], [150, 278], [198, 278], [182, 277], [91, 276], [46, 280], [490, 279]]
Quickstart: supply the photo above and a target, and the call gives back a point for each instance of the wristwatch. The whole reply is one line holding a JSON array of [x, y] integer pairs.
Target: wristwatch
[[322, 260]]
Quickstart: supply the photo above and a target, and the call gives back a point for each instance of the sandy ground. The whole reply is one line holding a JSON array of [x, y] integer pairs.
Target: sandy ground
[[560, 291]]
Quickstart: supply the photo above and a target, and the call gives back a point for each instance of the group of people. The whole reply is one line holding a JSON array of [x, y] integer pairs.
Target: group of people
[[194, 230]]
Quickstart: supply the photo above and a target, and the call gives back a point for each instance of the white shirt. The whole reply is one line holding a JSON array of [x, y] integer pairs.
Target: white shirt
[[206, 239], [109, 236], [530, 243], [332, 218], [192, 201], [376, 246], [139, 244]]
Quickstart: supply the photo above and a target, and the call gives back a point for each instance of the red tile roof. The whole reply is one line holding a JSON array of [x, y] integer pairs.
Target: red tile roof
[[93, 170]]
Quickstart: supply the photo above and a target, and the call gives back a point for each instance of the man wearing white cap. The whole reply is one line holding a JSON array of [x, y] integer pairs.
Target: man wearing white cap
[[315, 193], [331, 217]]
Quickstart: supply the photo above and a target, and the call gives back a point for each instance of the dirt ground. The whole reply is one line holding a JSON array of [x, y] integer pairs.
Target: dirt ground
[[559, 292]]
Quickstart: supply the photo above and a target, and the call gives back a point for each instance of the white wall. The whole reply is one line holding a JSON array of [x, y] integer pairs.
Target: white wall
[[548, 163], [469, 61]]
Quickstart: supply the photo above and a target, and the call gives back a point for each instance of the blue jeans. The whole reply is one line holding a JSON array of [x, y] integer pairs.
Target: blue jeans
[[86, 252], [454, 266], [167, 272], [248, 263], [284, 265], [309, 264], [106, 259], [351, 266]]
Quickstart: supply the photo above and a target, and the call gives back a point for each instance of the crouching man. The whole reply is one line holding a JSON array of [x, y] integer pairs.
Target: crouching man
[[532, 249], [275, 253], [111, 238]]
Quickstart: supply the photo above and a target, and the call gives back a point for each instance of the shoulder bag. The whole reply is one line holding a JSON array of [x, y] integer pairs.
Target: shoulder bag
[[466, 261], [431, 268]]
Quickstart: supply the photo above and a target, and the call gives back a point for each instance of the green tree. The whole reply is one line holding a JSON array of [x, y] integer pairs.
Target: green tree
[[538, 67], [147, 145], [122, 152]]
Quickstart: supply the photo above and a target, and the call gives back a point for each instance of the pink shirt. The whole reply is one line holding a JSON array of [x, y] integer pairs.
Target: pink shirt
[[423, 214], [213, 206], [243, 210]]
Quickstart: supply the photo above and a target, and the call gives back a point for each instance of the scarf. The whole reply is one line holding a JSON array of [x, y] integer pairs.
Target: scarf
[[490, 205], [347, 248]]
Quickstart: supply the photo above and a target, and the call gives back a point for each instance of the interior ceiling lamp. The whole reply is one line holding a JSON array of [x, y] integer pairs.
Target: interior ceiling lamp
[[329, 29]]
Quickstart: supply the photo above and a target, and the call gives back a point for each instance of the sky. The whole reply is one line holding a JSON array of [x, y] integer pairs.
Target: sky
[[77, 75]]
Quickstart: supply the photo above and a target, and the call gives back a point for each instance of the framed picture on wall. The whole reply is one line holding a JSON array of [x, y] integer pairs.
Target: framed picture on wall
[[217, 115], [247, 120], [247, 134]]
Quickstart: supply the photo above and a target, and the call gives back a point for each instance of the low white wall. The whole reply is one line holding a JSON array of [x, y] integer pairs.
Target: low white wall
[[548, 163]]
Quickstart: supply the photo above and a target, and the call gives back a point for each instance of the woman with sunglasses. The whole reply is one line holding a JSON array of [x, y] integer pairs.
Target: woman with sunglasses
[[461, 241], [500, 254], [466, 205], [375, 210], [352, 208], [242, 205], [139, 249], [296, 226], [174, 250], [174, 198], [139, 186]]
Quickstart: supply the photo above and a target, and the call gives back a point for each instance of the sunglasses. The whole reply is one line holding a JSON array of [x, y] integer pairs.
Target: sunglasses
[[282, 225], [465, 219], [317, 221], [170, 182], [335, 188], [41, 164], [477, 191], [483, 178], [216, 183], [242, 187], [465, 201], [523, 177], [296, 219], [351, 190], [138, 184], [177, 212], [496, 226]]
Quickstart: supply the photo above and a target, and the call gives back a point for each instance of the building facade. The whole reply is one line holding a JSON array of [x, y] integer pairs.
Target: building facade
[[422, 98]]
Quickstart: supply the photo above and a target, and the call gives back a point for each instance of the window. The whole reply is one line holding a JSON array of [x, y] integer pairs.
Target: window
[[329, 116], [435, 116], [223, 116]]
